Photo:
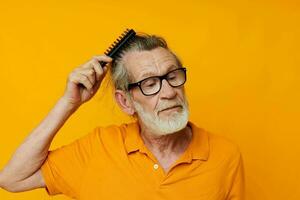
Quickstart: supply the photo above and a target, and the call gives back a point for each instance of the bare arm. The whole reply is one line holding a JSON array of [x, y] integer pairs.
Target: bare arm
[[31, 154], [22, 172]]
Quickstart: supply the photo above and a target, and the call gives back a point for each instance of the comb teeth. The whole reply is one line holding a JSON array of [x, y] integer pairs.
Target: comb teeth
[[120, 41], [117, 45]]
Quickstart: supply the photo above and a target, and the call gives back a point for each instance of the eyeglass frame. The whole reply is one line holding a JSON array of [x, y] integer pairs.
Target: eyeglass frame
[[161, 78]]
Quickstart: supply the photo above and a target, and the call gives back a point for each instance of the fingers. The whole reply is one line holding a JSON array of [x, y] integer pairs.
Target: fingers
[[97, 68], [91, 73], [95, 64], [79, 78], [104, 58], [100, 58]]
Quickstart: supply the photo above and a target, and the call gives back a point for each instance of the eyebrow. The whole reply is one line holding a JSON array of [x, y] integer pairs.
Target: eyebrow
[[149, 73]]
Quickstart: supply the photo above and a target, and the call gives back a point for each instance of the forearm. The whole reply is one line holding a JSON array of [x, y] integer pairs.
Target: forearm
[[23, 170], [31, 154]]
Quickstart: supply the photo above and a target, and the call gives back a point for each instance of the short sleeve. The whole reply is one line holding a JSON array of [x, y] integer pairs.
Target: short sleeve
[[65, 167], [237, 189]]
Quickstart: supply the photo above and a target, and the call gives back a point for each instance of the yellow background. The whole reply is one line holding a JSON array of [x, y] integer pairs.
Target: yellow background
[[243, 74]]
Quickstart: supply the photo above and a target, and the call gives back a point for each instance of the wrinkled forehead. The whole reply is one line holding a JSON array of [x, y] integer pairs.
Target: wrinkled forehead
[[142, 64]]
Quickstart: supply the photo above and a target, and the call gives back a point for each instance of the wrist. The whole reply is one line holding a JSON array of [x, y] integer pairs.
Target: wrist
[[67, 105]]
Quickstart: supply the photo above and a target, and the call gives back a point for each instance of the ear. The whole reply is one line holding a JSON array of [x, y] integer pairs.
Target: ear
[[124, 102]]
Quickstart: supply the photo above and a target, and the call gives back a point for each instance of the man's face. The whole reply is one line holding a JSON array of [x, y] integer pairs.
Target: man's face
[[167, 111]]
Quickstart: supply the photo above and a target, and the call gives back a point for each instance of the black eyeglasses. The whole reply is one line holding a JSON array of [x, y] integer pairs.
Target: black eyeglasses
[[152, 85]]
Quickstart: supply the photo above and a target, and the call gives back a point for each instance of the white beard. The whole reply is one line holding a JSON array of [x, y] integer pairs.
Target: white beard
[[175, 122]]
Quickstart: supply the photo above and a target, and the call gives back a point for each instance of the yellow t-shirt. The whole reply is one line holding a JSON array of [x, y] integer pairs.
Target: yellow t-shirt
[[113, 163]]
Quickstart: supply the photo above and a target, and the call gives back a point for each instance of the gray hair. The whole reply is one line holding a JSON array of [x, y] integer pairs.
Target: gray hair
[[141, 42]]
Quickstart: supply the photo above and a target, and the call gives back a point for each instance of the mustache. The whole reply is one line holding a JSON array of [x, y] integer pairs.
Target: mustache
[[163, 105]]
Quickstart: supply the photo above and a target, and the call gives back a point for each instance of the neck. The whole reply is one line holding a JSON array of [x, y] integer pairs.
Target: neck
[[165, 145]]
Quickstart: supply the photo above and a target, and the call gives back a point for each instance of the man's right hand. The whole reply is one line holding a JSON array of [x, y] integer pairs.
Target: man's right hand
[[84, 81], [23, 171]]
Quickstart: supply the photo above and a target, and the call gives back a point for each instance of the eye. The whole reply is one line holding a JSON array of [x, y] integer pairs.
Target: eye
[[149, 83], [172, 77]]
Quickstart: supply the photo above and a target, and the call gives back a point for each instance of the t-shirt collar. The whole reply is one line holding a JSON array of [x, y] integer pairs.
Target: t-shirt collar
[[197, 149]]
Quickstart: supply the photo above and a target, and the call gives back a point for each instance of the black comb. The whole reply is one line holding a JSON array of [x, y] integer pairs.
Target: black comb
[[115, 48]]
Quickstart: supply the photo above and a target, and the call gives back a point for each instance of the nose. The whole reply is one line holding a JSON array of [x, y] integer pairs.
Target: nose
[[167, 91]]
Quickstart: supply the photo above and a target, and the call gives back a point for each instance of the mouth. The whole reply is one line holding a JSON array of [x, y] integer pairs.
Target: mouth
[[171, 108]]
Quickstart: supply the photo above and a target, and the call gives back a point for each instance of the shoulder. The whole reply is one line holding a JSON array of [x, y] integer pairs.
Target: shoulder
[[224, 153], [112, 132], [97, 137], [221, 148], [111, 136], [222, 144]]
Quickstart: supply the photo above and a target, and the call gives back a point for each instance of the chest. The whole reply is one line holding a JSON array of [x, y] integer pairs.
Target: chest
[[137, 178]]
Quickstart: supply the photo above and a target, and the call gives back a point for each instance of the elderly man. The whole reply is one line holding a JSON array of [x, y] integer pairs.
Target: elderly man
[[162, 155]]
